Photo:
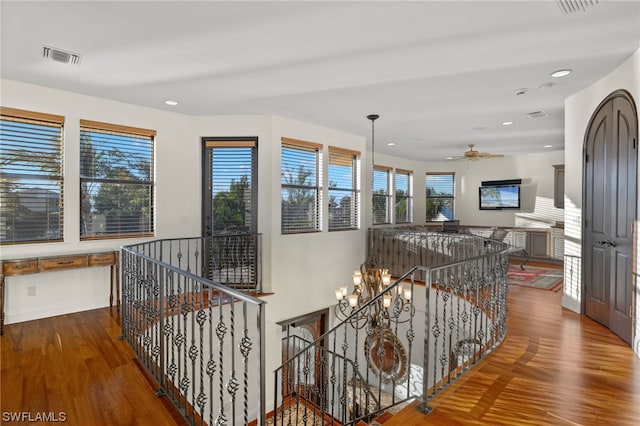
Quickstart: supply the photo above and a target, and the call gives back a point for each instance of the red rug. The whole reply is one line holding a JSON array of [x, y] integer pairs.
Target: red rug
[[536, 277]]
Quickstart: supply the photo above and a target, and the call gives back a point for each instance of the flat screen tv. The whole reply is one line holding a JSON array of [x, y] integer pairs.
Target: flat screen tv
[[500, 197]]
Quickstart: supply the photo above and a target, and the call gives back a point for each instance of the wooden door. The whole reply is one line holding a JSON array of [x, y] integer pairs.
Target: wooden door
[[610, 210], [305, 376]]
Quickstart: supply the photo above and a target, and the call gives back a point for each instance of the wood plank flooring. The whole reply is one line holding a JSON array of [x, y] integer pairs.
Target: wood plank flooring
[[554, 368], [74, 367]]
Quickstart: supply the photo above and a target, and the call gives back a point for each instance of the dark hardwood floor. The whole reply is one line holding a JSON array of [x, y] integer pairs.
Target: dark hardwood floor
[[554, 368]]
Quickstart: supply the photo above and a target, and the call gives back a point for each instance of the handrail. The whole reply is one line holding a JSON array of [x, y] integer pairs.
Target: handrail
[[335, 354], [221, 287], [202, 341], [462, 307]]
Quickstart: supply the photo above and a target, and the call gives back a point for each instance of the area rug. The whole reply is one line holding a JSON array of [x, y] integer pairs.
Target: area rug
[[536, 277]]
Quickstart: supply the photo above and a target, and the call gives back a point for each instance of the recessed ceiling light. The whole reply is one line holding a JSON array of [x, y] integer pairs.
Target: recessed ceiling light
[[548, 146], [449, 158], [172, 103], [391, 143], [561, 73], [545, 86], [507, 123], [478, 128]]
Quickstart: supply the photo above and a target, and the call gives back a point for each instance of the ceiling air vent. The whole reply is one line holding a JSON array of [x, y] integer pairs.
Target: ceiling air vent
[[536, 114], [568, 7], [59, 55]]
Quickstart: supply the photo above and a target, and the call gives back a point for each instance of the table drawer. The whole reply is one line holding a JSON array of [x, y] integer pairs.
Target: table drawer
[[65, 262], [18, 267], [102, 259]]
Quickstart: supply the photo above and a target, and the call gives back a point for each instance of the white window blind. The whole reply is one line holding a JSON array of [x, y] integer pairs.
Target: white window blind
[[344, 189], [31, 176], [116, 181], [440, 196], [301, 186], [232, 165], [381, 206], [404, 196]]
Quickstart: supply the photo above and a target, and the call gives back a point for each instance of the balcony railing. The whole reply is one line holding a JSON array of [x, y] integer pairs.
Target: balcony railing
[[456, 304], [202, 341]]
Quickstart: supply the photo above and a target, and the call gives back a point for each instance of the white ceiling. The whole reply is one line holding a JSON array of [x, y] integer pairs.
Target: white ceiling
[[440, 74]]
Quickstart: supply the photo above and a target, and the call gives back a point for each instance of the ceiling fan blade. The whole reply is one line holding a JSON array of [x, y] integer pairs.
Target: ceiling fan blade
[[493, 155]]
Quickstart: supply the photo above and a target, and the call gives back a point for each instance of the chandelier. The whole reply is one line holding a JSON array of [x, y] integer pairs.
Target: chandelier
[[371, 285]]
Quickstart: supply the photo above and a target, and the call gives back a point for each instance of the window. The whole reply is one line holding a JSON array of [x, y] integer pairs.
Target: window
[[116, 181], [404, 196], [344, 189], [381, 208], [440, 196], [230, 186], [301, 186], [31, 177]]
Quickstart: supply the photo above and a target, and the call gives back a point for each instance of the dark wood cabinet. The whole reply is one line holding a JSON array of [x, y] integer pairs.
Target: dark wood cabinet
[[558, 186]]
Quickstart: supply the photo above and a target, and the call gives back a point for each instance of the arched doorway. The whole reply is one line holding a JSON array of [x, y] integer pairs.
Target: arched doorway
[[610, 160]]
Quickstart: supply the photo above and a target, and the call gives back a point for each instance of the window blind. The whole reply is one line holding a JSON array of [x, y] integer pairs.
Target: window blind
[[231, 182], [344, 189], [116, 181], [301, 186], [440, 196], [381, 195], [403, 196], [31, 177]]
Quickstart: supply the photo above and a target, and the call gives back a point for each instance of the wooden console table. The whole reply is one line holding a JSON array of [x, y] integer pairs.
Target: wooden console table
[[57, 263]]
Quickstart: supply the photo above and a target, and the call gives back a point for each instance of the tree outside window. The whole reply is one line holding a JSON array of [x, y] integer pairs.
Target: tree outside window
[[31, 177], [300, 183], [116, 181], [440, 198]]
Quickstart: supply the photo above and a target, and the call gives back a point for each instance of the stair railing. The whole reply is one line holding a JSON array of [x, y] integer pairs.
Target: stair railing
[[201, 341], [459, 317]]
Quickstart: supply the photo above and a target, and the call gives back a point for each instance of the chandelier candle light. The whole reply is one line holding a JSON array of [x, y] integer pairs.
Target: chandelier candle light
[[372, 283]]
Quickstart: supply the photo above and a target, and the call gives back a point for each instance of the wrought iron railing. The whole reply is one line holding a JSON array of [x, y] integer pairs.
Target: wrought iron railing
[[306, 378], [457, 317], [234, 260], [202, 341], [572, 277], [400, 249]]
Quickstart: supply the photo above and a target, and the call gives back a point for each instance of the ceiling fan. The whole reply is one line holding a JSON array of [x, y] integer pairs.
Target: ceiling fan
[[473, 155]]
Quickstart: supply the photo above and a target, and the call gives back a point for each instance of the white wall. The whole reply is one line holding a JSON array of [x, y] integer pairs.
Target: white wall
[[578, 111], [82, 289], [535, 170], [300, 269]]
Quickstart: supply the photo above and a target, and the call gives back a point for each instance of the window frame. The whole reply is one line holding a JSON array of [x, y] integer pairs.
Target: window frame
[[386, 195], [408, 197], [127, 132], [337, 154], [308, 147], [450, 198], [210, 146], [34, 172]]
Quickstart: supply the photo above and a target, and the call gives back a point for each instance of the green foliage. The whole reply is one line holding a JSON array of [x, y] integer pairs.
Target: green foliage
[[230, 208], [117, 186], [298, 206], [436, 204]]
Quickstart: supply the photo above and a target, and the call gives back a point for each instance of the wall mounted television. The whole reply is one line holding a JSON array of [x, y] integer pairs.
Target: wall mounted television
[[499, 197]]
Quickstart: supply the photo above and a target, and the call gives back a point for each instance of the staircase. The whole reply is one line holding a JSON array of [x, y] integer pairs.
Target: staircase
[[203, 342]]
